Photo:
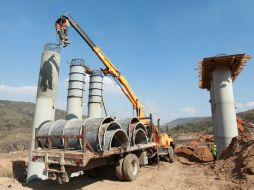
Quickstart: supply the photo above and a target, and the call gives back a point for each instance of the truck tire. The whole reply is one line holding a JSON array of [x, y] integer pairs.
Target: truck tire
[[171, 157], [119, 169], [130, 167]]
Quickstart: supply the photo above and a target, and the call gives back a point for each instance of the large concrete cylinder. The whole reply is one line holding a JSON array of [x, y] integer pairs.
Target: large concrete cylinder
[[95, 95], [225, 108], [76, 89], [45, 101]]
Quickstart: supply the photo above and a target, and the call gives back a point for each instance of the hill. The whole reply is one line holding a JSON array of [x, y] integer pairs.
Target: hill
[[180, 121], [200, 124], [16, 120]]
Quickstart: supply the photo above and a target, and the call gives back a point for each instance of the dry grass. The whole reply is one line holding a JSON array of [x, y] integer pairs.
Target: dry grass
[[16, 120]]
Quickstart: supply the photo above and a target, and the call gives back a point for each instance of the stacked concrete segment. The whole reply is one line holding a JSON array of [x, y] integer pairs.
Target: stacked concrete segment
[[76, 89], [95, 95]]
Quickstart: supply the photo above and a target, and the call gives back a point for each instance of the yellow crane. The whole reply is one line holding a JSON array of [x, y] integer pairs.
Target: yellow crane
[[163, 141], [110, 69]]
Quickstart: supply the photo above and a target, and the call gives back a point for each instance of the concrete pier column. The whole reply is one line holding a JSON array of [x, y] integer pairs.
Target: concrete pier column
[[224, 107], [45, 102], [95, 95], [76, 89], [217, 74]]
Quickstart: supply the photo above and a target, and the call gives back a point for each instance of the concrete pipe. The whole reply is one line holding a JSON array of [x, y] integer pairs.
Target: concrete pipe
[[44, 131], [95, 95], [140, 137], [52, 129], [57, 130], [76, 89], [135, 128], [115, 138], [94, 130], [45, 101], [105, 128], [74, 127], [128, 124]]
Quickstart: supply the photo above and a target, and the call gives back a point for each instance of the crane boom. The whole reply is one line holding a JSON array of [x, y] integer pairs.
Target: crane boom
[[110, 69]]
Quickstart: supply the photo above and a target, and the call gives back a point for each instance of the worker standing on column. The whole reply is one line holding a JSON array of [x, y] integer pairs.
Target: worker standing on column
[[62, 25]]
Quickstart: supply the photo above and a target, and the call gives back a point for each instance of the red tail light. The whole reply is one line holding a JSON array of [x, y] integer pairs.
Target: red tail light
[[78, 162], [33, 158]]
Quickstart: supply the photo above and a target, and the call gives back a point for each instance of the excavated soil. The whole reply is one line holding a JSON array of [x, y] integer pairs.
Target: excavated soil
[[193, 154], [237, 161]]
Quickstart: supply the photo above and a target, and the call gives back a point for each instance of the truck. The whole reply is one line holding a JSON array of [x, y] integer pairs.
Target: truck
[[126, 158]]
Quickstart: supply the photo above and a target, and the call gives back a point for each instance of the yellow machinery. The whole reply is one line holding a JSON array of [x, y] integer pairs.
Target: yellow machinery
[[162, 139], [111, 69]]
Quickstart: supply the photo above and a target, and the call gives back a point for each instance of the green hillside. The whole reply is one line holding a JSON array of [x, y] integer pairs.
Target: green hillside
[[205, 124], [16, 120]]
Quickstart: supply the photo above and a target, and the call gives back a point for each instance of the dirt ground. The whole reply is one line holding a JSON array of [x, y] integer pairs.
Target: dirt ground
[[189, 175]]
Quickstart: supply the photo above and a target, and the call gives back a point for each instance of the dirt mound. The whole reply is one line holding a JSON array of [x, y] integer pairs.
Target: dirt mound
[[194, 154], [237, 160]]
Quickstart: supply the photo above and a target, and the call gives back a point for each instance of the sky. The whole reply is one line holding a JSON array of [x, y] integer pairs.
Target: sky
[[156, 45]]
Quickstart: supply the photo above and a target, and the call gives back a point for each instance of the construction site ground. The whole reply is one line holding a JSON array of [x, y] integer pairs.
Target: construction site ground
[[192, 169]]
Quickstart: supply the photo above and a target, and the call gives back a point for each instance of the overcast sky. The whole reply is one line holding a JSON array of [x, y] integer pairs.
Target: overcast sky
[[155, 44]]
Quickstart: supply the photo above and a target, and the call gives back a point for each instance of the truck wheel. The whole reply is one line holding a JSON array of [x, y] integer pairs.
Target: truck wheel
[[119, 169], [130, 167], [171, 158]]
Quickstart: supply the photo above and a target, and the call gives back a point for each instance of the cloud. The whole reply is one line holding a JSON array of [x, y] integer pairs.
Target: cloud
[[151, 106], [18, 93], [189, 110], [21, 90], [111, 86], [246, 105]]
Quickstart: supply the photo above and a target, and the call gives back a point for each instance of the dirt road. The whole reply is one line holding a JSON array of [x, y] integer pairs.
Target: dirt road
[[169, 176]]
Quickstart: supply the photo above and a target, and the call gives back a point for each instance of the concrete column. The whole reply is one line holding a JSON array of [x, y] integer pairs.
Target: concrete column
[[45, 101], [225, 108], [76, 89], [95, 95]]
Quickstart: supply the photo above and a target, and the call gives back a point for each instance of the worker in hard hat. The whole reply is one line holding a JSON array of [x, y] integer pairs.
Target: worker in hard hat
[[62, 25], [214, 151]]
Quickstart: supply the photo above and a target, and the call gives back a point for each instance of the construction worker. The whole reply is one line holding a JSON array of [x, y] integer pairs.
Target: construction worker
[[62, 25], [214, 151]]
